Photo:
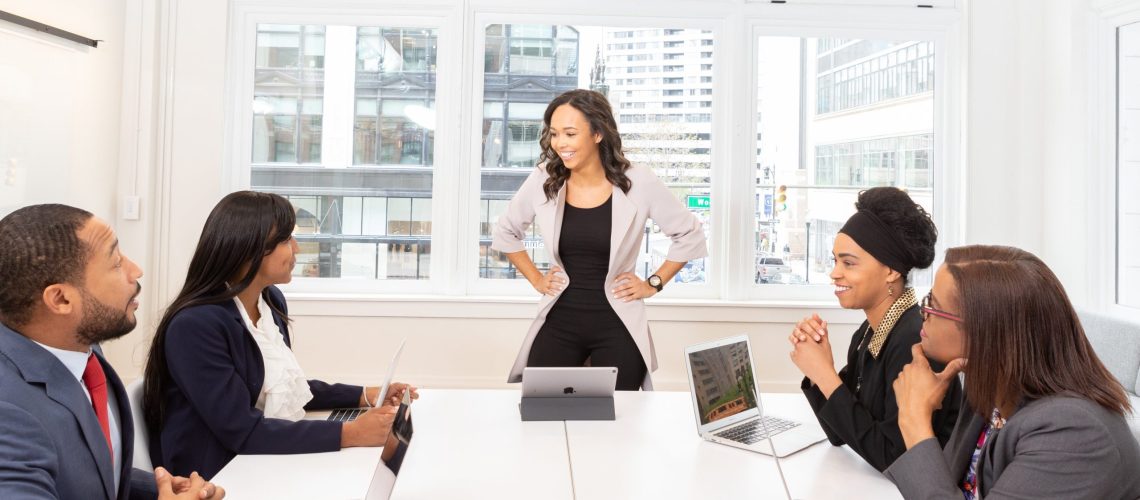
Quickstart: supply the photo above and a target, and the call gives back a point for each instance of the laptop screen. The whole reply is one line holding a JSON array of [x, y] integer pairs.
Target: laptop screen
[[723, 382]]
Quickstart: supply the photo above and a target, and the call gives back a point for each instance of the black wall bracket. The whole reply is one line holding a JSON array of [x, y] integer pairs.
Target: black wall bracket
[[28, 23]]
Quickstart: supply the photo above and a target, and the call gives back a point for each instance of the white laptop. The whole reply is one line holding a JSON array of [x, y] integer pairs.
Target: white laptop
[[569, 382], [728, 407], [349, 414]]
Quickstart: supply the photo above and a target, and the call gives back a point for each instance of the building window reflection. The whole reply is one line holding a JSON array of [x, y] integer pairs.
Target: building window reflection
[[372, 220]]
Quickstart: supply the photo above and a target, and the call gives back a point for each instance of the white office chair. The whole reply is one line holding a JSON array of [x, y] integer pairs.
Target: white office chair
[[142, 441]]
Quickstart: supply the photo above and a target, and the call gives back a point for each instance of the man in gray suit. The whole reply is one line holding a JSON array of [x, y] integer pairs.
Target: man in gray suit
[[65, 420]]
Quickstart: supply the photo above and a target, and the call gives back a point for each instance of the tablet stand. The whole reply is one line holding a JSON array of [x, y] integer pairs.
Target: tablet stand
[[545, 409]]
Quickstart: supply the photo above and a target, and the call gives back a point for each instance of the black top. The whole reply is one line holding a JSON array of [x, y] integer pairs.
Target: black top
[[584, 245], [867, 419]]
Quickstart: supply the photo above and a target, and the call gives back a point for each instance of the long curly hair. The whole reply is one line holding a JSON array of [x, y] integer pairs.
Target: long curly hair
[[596, 108]]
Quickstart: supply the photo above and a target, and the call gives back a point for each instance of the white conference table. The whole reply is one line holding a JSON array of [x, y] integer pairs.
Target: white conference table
[[471, 444], [342, 474], [653, 451]]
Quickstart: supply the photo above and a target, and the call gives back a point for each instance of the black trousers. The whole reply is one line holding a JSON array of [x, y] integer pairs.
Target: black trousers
[[582, 325]]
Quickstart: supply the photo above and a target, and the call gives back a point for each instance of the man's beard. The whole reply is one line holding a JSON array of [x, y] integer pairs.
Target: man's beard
[[102, 322]]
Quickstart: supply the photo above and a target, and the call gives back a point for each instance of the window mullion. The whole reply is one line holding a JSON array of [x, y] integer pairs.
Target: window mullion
[[339, 96]]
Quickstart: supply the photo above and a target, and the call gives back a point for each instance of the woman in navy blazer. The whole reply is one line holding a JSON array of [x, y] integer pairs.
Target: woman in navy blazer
[[205, 372]]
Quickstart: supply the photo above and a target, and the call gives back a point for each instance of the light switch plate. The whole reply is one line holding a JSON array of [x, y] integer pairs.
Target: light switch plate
[[130, 208]]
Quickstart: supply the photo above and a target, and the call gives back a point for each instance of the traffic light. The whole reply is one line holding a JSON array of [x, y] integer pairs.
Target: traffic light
[[780, 202]]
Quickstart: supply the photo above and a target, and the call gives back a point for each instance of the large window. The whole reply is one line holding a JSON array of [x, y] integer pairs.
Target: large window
[[854, 73], [400, 135], [395, 96], [363, 197], [812, 161], [288, 100], [902, 161], [525, 66], [1128, 169]]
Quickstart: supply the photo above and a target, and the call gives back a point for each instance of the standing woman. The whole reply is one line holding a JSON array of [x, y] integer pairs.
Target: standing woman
[[221, 379], [876, 249], [1043, 417], [592, 204]]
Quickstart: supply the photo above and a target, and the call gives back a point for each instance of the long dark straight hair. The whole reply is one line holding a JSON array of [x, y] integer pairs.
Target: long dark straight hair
[[1023, 337], [600, 116], [241, 230]]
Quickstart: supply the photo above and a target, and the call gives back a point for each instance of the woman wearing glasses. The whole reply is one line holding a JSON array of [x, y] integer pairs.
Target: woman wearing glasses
[[874, 252], [1043, 417]]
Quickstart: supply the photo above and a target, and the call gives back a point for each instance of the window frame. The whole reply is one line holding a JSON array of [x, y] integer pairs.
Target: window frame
[[468, 268], [240, 83], [456, 170], [1103, 136], [949, 187]]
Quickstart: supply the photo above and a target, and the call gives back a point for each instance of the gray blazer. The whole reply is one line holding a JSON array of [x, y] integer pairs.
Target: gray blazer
[[1060, 447], [50, 442], [647, 198]]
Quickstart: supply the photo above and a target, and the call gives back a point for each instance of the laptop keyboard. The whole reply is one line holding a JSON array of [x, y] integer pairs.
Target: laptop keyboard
[[346, 414], [753, 430]]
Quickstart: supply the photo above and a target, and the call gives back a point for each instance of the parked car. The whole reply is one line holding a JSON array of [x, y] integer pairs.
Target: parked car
[[767, 268], [786, 279], [693, 272]]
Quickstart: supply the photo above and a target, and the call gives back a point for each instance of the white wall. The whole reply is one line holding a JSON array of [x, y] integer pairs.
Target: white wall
[[60, 109], [59, 106], [1025, 148], [450, 349], [1027, 123]]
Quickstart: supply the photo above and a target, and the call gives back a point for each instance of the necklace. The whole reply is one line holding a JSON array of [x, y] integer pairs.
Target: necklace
[[862, 349]]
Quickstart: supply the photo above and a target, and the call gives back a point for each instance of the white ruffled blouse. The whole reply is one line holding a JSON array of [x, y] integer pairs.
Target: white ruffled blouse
[[285, 391]]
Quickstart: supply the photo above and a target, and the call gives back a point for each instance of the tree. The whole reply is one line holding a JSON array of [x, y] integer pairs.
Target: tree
[[671, 151]]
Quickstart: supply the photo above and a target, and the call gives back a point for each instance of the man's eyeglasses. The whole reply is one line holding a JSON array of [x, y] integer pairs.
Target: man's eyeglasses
[[927, 310]]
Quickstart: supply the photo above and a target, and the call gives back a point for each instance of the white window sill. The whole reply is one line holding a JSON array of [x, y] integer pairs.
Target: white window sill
[[506, 307]]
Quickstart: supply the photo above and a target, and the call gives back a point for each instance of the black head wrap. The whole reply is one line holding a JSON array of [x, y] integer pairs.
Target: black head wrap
[[874, 236]]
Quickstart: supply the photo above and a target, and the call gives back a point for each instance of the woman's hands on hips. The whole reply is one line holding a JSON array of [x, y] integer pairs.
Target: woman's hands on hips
[[551, 283], [627, 287]]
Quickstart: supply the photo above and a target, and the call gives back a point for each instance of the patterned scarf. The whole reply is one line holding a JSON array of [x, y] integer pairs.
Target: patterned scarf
[[905, 301]]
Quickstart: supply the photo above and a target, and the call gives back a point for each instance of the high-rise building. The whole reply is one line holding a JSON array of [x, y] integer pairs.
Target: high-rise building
[[835, 117], [720, 372], [661, 85]]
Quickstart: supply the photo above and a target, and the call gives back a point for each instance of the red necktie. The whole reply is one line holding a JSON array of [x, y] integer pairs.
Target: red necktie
[[96, 383]]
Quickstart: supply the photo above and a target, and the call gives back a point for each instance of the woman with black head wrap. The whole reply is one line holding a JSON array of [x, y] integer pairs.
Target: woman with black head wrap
[[874, 252]]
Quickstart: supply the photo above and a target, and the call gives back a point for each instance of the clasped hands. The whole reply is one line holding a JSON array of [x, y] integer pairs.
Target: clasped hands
[[811, 353], [185, 488]]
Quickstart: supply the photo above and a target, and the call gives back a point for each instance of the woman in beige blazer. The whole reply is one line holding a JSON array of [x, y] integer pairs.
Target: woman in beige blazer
[[592, 205]]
